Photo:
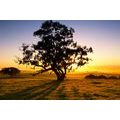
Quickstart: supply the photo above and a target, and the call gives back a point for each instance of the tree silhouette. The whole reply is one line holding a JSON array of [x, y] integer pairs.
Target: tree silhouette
[[10, 71], [55, 51]]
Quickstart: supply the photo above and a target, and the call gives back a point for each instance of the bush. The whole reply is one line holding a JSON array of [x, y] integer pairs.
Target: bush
[[10, 71], [113, 77], [91, 76]]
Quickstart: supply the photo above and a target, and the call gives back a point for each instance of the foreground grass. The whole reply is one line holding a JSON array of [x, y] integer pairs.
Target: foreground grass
[[45, 87]]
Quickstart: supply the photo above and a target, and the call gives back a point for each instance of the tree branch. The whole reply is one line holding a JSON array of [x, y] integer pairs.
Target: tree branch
[[41, 71]]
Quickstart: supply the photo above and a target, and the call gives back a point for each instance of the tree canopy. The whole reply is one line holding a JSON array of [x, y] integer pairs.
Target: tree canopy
[[56, 50]]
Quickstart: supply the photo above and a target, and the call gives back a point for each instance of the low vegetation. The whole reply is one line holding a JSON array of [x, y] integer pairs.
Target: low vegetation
[[11, 71], [91, 76], [46, 87]]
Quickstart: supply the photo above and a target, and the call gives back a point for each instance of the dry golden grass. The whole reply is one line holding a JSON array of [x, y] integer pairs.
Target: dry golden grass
[[45, 87]]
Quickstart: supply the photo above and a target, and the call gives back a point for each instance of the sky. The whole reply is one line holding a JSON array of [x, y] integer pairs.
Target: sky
[[102, 36]]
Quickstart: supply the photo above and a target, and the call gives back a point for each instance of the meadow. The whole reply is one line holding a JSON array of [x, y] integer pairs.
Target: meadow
[[46, 87]]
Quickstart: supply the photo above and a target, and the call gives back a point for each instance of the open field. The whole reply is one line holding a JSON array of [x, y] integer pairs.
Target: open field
[[45, 87]]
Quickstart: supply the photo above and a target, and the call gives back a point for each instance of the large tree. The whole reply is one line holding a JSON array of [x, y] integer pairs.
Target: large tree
[[56, 50]]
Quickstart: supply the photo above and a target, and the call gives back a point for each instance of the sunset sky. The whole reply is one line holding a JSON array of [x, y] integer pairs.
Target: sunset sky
[[102, 36]]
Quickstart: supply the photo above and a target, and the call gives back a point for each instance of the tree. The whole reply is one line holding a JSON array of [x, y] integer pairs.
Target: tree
[[55, 51], [10, 71]]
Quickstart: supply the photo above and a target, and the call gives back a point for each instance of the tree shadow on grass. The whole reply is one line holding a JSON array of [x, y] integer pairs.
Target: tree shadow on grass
[[61, 93], [114, 92], [39, 92]]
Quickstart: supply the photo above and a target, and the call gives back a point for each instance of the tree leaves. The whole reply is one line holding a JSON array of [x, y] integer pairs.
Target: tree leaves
[[56, 49]]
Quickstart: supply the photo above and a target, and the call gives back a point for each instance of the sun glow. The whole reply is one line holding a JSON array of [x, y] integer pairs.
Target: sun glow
[[102, 36]]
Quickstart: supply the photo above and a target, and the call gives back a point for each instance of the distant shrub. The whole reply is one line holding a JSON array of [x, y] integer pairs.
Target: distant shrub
[[113, 77], [102, 77], [91, 76], [10, 71]]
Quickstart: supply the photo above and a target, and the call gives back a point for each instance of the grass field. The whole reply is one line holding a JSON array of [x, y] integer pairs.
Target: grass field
[[45, 87]]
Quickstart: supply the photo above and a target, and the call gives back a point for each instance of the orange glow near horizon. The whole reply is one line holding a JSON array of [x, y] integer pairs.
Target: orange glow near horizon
[[102, 36]]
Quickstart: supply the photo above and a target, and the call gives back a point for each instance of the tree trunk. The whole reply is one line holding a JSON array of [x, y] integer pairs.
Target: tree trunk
[[60, 74], [61, 77]]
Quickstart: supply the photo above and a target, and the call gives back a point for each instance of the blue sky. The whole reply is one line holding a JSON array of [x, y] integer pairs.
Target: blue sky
[[103, 36]]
